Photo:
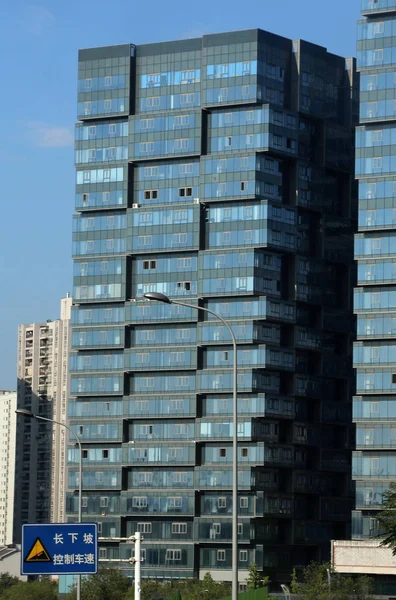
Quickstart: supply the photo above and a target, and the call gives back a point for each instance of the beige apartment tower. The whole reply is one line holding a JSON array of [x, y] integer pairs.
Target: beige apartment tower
[[43, 383]]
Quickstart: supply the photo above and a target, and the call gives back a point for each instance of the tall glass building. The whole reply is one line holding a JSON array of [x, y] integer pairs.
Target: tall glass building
[[374, 462], [217, 171]]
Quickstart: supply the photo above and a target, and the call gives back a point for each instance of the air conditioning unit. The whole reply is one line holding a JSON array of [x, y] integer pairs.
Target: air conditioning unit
[[196, 200], [135, 205]]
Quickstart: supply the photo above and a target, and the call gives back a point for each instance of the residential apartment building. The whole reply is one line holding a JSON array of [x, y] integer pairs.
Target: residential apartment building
[[218, 171], [374, 463], [8, 402], [43, 388], [374, 407]]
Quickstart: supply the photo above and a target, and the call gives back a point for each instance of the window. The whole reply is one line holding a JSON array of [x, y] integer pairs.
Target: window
[[186, 169], [107, 104], [248, 235], [154, 79], [149, 265], [182, 381], [179, 238], [222, 452], [88, 83], [377, 162], [183, 285], [87, 108], [377, 135], [378, 28], [186, 98], [102, 552], [222, 502], [146, 382], [228, 118], [146, 217], [243, 555], [244, 452], [177, 357], [144, 527], [146, 123], [173, 555], [372, 82], [245, 91], [153, 102], [249, 140], [91, 155], [376, 244], [378, 55], [179, 528], [226, 236], [183, 263], [372, 109], [145, 477], [182, 120], [244, 186], [112, 129], [139, 501], [108, 80], [181, 144], [244, 502], [185, 191], [223, 94], [104, 502], [145, 240], [228, 141], [175, 502], [151, 171], [221, 555], [146, 147], [150, 194], [179, 477]]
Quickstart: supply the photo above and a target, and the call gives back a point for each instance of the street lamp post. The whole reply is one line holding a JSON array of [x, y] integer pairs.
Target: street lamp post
[[29, 415], [162, 298]]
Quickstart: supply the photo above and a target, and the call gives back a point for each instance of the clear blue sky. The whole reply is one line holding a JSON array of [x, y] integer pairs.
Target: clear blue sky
[[38, 48]]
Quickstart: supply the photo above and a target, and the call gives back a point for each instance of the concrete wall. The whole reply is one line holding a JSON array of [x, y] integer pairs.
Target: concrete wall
[[363, 557]]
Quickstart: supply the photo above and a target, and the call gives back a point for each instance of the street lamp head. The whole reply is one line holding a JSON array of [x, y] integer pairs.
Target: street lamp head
[[157, 296], [24, 412]]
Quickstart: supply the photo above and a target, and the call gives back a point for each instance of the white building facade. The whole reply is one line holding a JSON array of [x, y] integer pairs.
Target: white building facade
[[8, 402]]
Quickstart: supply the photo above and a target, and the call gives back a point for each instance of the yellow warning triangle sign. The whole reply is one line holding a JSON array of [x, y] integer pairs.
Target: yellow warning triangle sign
[[38, 553]]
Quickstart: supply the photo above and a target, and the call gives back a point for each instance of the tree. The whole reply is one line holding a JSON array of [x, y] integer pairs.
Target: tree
[[256, 579], [387, 518], [35, 590], [321, 582], [107, 584], [7, 581]]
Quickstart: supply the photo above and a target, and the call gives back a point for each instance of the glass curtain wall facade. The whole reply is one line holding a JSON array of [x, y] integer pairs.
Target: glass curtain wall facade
[[374, 462], [217, 171]]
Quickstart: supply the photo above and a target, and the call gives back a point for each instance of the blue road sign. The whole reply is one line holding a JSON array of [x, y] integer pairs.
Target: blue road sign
[[59, 549]]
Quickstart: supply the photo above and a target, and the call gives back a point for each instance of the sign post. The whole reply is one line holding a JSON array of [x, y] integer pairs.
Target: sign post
[[59, 549]]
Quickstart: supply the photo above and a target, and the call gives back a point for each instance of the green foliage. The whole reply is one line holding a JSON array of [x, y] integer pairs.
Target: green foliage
[[321, 582], [110, 584], [7, 581], [256, 579], [35, 590], [107, 584], [387, 518]]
